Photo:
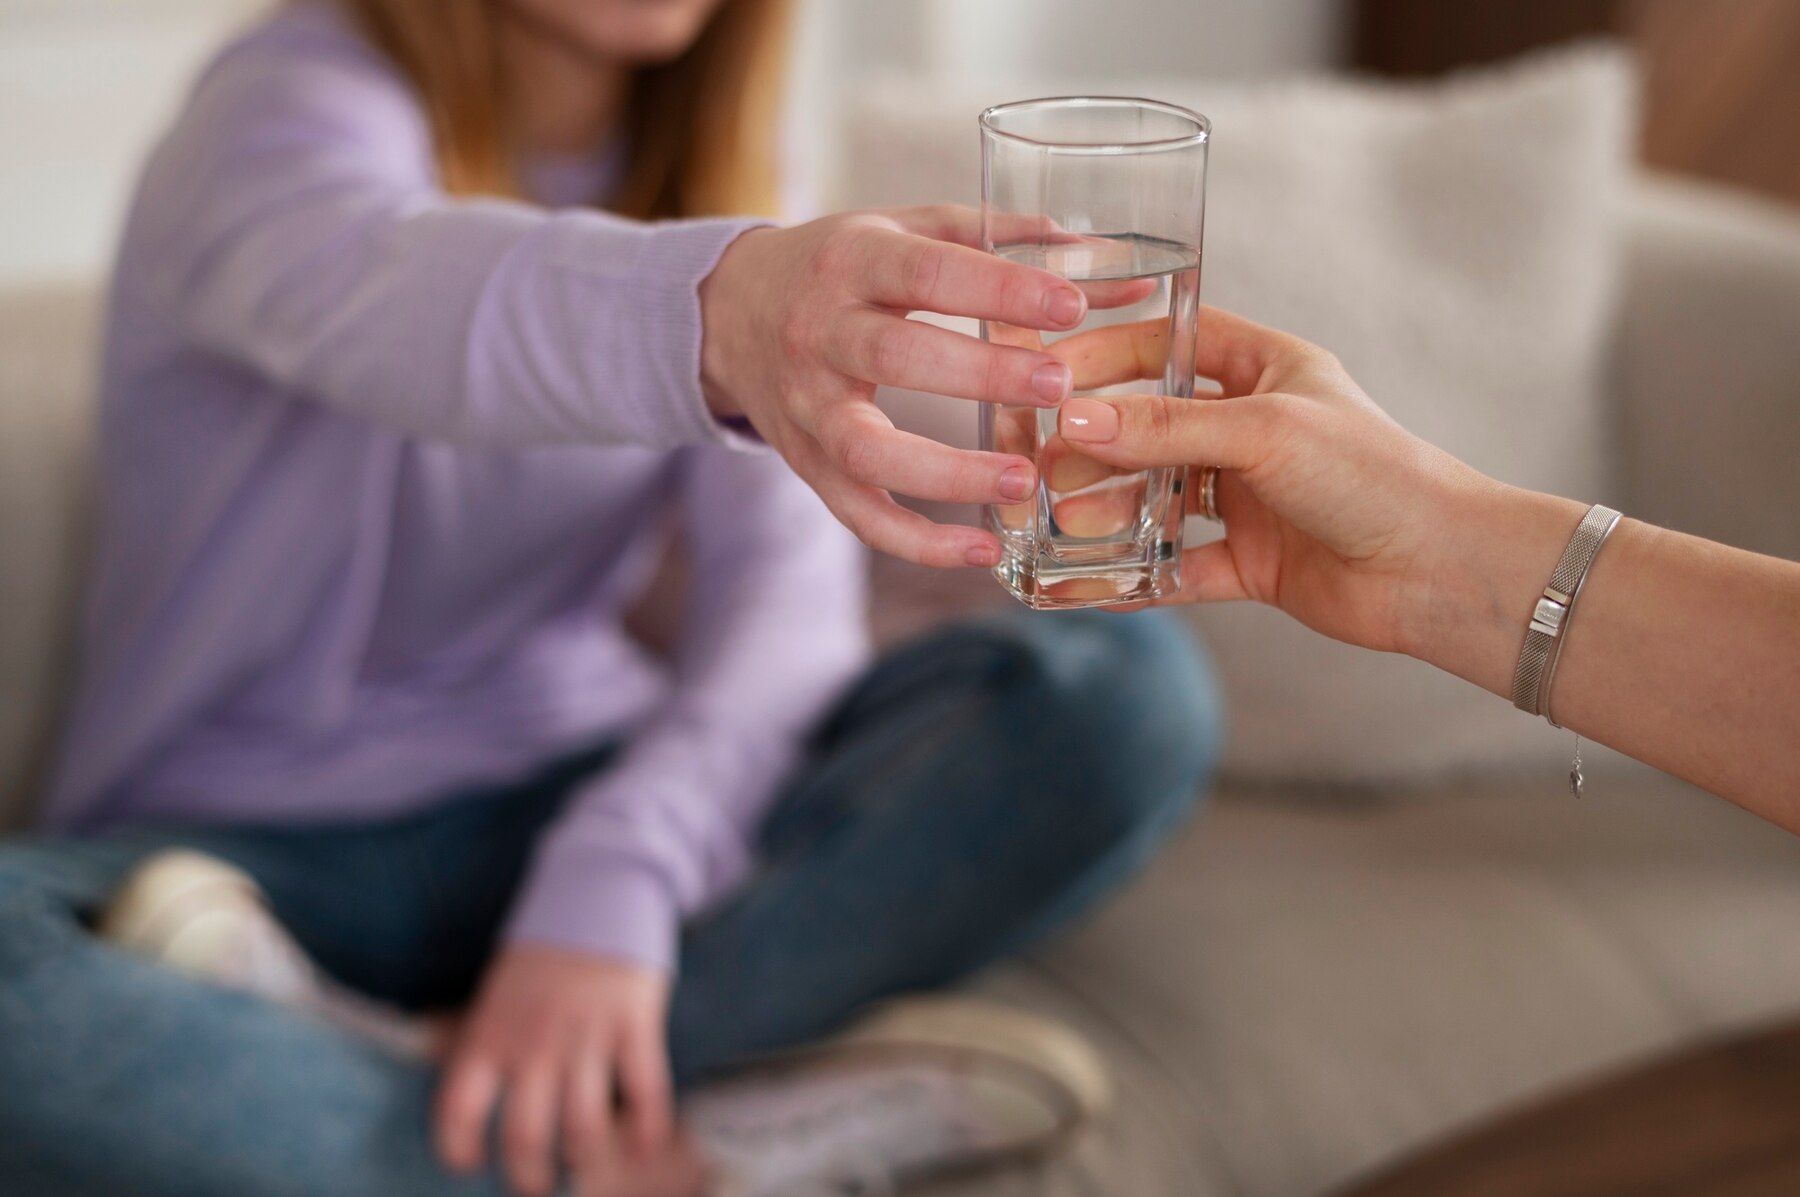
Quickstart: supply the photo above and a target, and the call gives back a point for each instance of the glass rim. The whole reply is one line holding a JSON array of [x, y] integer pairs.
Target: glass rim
[[1201, 134]]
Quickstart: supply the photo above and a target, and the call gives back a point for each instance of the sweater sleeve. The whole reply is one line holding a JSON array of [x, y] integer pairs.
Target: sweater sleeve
[[292, 222], [774, 628]]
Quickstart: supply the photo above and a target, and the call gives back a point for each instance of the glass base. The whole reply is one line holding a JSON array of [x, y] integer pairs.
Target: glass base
[[1045, 590]]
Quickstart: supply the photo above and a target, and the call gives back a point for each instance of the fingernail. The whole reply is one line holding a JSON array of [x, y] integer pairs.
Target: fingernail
[[1064, 305], [1017, 483], [1089, 421], [1051, 381], [983, 554]]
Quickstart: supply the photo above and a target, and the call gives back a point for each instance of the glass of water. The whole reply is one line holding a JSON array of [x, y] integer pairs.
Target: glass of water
[[1110, 194]]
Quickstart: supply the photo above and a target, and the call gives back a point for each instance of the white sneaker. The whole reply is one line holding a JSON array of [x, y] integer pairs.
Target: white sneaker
[[198, 915], [922, 1086]]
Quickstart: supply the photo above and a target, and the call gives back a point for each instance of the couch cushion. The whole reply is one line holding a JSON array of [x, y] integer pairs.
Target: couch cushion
[[47, 357], [1454, 243], [1708, 368], [1299, 992]]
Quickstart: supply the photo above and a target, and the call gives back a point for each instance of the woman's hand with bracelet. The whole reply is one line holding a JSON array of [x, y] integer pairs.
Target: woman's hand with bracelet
[[802, 324], [1334, 512], [1686, 654]]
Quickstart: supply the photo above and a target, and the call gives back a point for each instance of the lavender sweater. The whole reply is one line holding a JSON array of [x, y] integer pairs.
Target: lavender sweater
[[381, 471]]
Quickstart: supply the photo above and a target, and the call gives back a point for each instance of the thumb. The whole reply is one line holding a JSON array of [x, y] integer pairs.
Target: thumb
[[1143, 431]]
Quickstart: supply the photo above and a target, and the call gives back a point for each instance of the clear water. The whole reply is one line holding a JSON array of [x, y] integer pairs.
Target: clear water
[[1092, 537]]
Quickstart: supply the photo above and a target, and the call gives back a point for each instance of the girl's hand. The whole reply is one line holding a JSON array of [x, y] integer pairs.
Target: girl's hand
[[554, 1038], [1333, 512], [802, 324]]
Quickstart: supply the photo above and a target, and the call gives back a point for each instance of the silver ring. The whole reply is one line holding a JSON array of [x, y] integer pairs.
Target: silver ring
[[1209, 493]]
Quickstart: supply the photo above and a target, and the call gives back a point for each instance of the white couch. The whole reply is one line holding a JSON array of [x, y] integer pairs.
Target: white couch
[[1307, 984]]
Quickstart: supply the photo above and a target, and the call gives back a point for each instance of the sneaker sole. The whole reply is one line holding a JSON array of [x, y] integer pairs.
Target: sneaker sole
[[1067, 1074], [165, 892]]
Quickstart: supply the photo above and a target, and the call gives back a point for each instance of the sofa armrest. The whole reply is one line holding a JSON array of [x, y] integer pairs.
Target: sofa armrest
[[1707, 373], [48, 352]]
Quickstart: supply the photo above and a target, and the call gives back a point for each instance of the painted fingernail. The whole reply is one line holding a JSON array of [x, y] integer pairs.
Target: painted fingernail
[[1089, 421], [1017, 482], [1064, 305], [983, 554], [1052, 381]]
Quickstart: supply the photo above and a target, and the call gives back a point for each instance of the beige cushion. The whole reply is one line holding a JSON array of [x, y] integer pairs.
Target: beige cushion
[[1708, 371], [1455, 245], [47, 359], [1299, 992]]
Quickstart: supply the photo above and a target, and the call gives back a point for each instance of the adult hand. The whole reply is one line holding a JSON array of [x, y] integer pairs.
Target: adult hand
[[802, 324], [553, 1036], [1333, 512]]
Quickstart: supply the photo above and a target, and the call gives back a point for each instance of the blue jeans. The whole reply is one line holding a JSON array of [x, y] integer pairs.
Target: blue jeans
[[975, 791]]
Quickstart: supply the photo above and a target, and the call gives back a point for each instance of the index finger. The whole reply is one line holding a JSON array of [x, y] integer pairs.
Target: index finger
[[465, 1102], [1104, 357], [963, 225], [1240, 353], [917, 274], [1235, 351], [528, 1128]]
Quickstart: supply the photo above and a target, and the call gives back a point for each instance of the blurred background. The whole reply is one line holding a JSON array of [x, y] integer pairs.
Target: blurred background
[[1579, 270], [94, 79], [86, 83]]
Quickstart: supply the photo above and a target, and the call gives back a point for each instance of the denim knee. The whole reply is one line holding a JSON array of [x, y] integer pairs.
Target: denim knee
[[1128, 702]]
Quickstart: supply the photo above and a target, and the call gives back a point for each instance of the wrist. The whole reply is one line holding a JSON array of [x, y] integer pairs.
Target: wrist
[[1496, 547], [721, 311], [591, 901]]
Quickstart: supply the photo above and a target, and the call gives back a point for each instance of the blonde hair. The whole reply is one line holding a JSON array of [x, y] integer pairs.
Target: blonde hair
[[701, 129]]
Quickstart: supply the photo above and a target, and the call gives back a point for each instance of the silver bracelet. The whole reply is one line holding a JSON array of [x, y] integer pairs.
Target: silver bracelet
[[1550, 620]]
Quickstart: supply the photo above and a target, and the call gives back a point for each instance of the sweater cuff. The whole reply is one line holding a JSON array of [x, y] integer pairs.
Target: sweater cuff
[[679, 257], [598, 902]]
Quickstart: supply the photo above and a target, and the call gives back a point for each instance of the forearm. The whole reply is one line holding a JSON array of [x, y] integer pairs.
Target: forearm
[[474, 322], [292, 224], [773, 631], [1682, 653]]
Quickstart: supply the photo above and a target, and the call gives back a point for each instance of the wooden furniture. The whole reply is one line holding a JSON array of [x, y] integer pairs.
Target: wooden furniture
[[1723, 76], [1721, 1120]]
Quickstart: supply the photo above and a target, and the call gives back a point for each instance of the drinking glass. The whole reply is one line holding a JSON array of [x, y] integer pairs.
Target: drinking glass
[[1110, 194]]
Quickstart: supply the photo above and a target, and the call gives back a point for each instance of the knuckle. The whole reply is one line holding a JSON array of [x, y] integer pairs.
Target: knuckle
[[797, 406], [922, 268], [890, 350], [837, 248], [1158, 419], [1001, 376], [1301, 351], [858, 458], [1008, 293], [794, 335], [970, 481], [835, 437], [870, 530]]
